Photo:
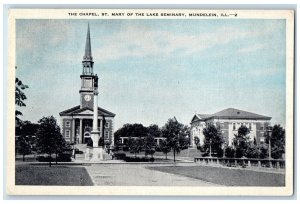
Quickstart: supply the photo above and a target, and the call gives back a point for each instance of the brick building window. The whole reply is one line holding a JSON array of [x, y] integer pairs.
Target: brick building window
[[106, 125], [67, 134], [234, 127], [68, 123]]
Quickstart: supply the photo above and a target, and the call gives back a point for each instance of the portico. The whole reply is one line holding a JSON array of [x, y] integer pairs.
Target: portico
[[77, 125]]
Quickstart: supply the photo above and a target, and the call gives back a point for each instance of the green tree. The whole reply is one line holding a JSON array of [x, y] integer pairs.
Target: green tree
[[117, 141], [60, 146], [20, 97], [26, 132], [165, 147], [26, 128], [241, 141], [24, 145], [149, 145], [197, 142], [213, 140], [135, 145], [173, 131], [183, 138], [277, 141], [154, 131], [131, 131], [48, 136]]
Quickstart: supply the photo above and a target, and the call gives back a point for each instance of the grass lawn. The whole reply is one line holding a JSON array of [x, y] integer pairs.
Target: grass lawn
[[55, 175], [223, 176]]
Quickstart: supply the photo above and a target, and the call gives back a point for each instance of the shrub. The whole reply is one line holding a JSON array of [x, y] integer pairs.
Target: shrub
[[77, 151], [252, 152], [229, 152], [263, 152], [239, 152], [138, 159], [42, 159], [120, 156], [63, 157]]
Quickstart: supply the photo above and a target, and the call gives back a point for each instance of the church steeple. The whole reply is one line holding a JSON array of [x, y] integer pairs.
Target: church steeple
[[87, 58], [88, 50]]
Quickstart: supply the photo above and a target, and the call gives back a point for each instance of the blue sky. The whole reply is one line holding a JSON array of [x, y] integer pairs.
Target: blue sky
[[152, 70]]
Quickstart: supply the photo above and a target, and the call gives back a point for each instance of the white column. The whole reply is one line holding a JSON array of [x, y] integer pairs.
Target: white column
[[61, 125], [80, 131], [101, 126], [73, 130], [95, 136], [95, 114]]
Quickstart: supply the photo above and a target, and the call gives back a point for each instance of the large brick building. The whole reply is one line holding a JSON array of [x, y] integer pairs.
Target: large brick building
[[77, 122], [229, 121]]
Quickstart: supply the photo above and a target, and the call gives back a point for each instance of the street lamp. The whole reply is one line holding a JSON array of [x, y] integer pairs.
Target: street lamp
[[210, 140], [224, 149], [269, 130]]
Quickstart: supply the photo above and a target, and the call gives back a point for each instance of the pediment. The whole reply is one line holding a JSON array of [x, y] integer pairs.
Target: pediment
[[195, 118], [85, 112]]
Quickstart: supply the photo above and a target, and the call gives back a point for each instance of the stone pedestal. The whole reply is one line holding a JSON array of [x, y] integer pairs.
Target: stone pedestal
[[95, 136], [98, 154], [87, 154]]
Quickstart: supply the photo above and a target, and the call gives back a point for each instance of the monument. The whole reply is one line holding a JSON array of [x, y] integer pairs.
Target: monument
[[98, 150]]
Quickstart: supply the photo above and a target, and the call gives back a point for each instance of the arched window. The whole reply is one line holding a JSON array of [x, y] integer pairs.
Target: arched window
[[87, 134]]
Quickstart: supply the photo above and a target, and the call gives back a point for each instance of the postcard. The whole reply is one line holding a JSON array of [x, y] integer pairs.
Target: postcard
[[150, 102]]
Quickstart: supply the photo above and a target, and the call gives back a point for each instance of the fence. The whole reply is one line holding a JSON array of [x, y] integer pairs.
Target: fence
[[241, 162]]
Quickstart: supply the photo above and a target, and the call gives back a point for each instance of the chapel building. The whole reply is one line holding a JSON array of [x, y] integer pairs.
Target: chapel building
[[77, 122]]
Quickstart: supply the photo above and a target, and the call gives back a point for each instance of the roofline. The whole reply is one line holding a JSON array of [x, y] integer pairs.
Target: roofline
[[243, 118], [69, 109], [63, 113], [108, 112]]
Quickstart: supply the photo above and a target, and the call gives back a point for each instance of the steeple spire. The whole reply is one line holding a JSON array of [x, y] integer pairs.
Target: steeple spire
[[88, 50], [87, 58]]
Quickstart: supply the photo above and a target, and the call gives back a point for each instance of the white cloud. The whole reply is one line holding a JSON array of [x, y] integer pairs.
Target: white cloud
[[251, 48], [267, 71], [137, 42], [34, 35]]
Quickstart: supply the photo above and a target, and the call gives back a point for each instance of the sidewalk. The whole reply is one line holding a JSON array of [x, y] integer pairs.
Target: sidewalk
[[138, 175]]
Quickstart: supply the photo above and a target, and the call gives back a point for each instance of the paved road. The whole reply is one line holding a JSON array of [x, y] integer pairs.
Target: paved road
[[138, 175]]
